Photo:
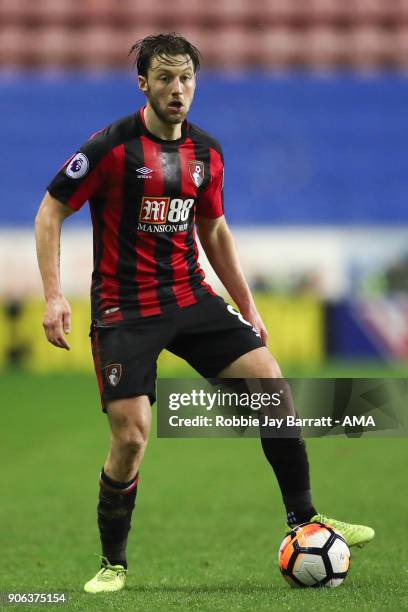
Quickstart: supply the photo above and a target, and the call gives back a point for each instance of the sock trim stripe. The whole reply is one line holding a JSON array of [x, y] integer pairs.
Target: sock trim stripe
[[109, 484], [119, 491]]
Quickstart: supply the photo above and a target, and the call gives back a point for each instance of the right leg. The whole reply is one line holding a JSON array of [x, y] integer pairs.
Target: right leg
[[130, 421], [125, 363]]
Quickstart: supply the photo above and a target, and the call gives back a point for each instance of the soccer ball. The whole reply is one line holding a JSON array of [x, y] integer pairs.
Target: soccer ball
[[314, 555]]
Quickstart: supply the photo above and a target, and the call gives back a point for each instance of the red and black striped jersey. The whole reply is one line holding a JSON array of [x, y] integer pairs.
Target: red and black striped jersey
[[144, 194]]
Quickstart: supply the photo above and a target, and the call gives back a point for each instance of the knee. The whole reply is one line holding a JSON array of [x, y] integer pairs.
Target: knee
[[272, 369], [132, 442], [268, 368]]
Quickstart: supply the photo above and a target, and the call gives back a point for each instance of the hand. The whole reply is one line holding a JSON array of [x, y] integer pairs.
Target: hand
[[252, 315], [57, 322]]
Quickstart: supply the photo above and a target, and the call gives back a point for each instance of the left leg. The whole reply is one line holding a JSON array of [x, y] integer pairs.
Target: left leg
[[287, 456], [258, 363], [220, 344]]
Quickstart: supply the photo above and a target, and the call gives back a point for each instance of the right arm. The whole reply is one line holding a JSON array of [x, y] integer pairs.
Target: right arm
[[81, 176], [48, 222]]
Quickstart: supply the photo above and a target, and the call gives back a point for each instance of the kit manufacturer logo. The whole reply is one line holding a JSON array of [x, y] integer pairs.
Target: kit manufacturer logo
[[144, 172]]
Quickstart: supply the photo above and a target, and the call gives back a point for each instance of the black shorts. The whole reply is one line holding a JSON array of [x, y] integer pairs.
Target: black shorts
[[209, 335]]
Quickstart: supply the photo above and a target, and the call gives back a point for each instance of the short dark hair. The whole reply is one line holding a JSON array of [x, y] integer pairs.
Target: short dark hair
[[165, 45]]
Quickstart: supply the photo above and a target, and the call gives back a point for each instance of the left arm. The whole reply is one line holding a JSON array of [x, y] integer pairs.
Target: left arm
[[218, 244]]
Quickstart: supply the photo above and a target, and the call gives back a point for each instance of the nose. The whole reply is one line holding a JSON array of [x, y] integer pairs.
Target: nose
[[177, 86]]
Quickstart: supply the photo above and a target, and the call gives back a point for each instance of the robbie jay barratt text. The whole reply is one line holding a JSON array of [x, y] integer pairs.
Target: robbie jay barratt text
[[249, 421]]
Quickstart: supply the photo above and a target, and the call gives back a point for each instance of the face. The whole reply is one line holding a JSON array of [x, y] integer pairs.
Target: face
[[170, 88]]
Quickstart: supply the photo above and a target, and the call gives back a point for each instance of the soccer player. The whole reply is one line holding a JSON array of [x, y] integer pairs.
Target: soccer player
[[150, 179]]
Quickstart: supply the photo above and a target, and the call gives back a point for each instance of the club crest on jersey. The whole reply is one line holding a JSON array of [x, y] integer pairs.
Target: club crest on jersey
[[196, 169], [78, 166], [113, 373]]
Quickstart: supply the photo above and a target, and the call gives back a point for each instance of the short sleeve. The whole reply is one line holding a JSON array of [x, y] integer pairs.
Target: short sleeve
[[211, 201], [82, 175]]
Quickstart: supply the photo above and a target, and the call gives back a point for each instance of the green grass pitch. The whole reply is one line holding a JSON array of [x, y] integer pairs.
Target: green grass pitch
[[209, 518]]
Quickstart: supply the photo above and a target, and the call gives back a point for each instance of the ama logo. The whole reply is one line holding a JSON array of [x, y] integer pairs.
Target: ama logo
[[78, 166]]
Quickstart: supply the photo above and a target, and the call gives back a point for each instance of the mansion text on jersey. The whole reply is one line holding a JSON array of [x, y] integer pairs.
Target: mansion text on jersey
[[147, 227]]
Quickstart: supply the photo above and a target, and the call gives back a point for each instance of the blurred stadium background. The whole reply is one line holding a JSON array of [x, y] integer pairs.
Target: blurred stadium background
[[308, 98]]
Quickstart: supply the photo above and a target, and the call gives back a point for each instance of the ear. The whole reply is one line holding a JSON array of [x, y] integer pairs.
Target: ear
[[142, 83]]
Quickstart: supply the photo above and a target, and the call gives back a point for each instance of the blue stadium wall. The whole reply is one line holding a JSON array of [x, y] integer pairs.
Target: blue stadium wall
[[298, 149]]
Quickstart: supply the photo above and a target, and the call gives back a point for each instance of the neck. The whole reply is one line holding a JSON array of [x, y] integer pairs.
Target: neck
[[164, 131]]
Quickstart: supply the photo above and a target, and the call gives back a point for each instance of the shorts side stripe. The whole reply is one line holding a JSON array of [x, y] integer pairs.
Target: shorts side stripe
[[97, 359]]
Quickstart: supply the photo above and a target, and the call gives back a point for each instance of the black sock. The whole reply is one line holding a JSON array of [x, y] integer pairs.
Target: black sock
[[116, 503], [288, 458]]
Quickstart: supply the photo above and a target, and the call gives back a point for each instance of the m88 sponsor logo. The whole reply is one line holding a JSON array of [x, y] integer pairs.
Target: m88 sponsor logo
[[165, 210]]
